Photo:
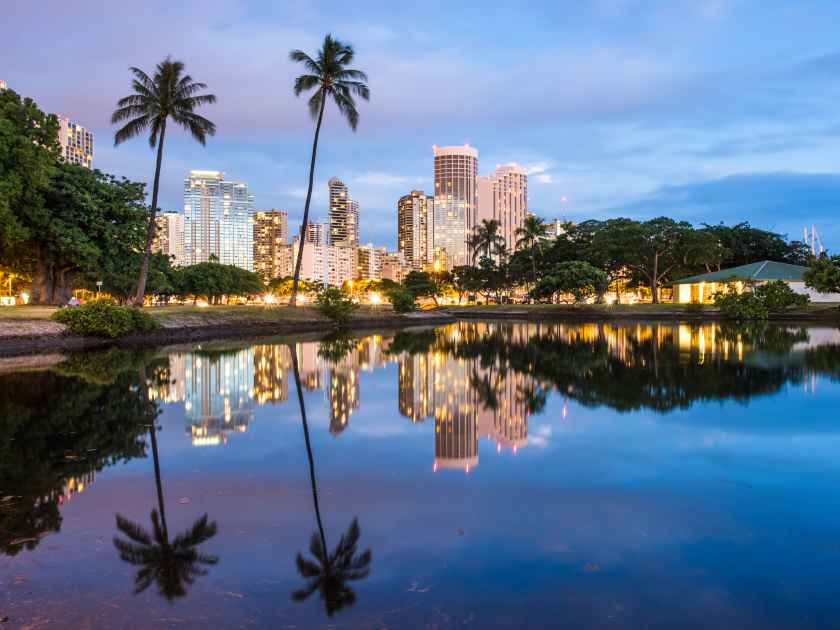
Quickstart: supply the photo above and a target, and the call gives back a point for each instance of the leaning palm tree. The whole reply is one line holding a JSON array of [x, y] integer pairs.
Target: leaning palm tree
[[332, 80], [168, 93], [330, 572], [528, 236]]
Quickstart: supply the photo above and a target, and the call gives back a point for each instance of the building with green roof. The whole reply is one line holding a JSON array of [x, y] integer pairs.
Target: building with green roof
[[702, 288]]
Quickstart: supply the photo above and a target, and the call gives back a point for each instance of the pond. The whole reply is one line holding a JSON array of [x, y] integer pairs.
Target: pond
[[485, 475]]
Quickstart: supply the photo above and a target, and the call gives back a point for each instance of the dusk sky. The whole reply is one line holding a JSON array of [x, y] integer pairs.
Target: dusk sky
[[706, 110]]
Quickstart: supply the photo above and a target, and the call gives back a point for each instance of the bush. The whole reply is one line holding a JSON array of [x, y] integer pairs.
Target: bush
[[744, 306], [777, 296], [334, 304], [101, 318], [402, 300]]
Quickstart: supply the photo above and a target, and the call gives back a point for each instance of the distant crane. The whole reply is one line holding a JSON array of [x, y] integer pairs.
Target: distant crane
[[813, 241]]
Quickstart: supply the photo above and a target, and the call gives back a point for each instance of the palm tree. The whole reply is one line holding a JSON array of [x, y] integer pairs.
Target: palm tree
[[486, 239], [169, 93], [528, 236], [332, 80], [172, 565], [329, 573]]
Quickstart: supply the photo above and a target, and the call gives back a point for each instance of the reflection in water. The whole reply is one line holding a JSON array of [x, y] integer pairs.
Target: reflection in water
[[331, 572], [171, 564]]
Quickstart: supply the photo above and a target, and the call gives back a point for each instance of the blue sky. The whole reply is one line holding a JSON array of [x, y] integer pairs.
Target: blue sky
[[708, 110]]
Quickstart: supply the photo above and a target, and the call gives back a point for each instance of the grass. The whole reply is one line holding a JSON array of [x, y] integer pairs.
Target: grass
[[26, 312]]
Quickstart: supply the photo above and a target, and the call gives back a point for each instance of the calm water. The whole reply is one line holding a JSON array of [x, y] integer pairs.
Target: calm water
[[476, 475]]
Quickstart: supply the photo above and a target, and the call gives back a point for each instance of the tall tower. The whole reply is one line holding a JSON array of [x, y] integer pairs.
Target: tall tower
[[344, 215], [415, 220], [456, 201], [169, 236], [217, 220], [76, 143], [503, 196], [272, 253]]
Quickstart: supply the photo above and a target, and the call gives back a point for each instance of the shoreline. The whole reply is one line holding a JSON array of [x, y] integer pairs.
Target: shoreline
[[49, 340]]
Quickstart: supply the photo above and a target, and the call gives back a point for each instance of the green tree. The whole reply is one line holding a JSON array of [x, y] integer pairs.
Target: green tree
[[576, 278], [28, 153], [467, 280], [823, 275], [528, 237], [485, 240], [334, 304], [332, 79], [168, 93], [428, 284]]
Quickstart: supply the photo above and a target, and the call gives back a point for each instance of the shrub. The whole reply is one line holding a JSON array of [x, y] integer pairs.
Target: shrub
[[101, 318], [402, 300], [333, 303], [744, 306], [777, 296]]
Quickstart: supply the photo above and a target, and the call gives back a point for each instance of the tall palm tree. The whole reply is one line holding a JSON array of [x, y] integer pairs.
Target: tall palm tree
[[332, 80], [168, 93], [486, 239], [173, 565], [528, 236], [330, 572]]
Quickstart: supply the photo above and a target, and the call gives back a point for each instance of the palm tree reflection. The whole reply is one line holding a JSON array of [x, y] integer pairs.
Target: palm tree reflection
[[173, 565], [328, 573]]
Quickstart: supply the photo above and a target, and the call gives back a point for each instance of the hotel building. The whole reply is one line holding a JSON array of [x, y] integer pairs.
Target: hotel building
[[169, 235], [344, 215], [272, 252], [76, 143], [503, 196], [415, 221], [217, 220], [455, 202]]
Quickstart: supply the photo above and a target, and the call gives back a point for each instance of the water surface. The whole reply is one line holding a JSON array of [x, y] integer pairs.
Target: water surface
[[476, 475]]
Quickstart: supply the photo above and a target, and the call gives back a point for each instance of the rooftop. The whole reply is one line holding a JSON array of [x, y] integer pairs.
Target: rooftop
[[758, 271]]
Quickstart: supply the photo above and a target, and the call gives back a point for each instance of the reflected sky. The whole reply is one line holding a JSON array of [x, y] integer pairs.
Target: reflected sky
[[598, 474]]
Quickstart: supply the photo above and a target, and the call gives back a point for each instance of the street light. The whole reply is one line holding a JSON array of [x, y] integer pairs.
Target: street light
[[98, 288]]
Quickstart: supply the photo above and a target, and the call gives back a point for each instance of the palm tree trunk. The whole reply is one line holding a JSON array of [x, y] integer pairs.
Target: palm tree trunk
[[303, 226], [150, 417], [293, 351], [150, 234]]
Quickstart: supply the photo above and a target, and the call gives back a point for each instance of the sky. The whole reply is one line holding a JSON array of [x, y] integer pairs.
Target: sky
[[703, 110]]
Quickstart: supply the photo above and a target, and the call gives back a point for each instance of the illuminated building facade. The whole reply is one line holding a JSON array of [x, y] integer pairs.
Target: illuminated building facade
[[344, 215], [455, 201], [272, 252], [217, 220], [416, 386], [394, 266], [370, 262], [272, 364], [415, 221], [169, 236], [503, 196], [76, 143]]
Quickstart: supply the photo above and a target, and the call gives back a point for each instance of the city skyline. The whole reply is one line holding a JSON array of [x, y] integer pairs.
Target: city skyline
[[646, 132]]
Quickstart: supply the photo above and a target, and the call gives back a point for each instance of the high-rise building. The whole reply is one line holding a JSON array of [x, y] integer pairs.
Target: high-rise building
[[344, 215], [217, 220], [415, 221], [370, 262], [393, 267], [503, 196], [169, 236], [317, 233], [76, 143], [3, 85], [456, 201], [342, 263], [272, 252]]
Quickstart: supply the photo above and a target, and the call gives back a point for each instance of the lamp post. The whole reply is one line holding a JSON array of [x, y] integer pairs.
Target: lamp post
[[98, 288]]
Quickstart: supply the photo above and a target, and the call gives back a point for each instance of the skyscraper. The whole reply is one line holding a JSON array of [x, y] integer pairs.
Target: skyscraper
[[456, 202], [76, 143], [415, 220], [503, 196], [169, 236], [217, 220], [272, 252], [370, 262], [344, 215]]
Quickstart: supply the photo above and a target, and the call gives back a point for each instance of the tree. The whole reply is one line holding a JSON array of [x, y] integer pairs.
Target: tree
[[333, 80], [28, 154], [823, 275], [486, 240], [528, 237], [606, 252], [427, 284], [466, 279], [169, 93], [576, 278], [214, 281]]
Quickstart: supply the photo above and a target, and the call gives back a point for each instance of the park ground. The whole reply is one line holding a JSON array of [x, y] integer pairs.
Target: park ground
[[26, 329]]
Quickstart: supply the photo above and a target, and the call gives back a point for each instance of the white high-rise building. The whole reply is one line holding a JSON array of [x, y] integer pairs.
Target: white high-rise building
[[169, 235], [503, 196], [217, 220], [415, 234], [76, 143], [344, 215], [456, 202]]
